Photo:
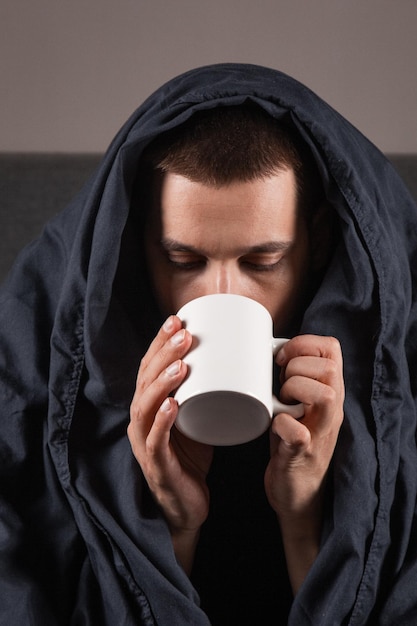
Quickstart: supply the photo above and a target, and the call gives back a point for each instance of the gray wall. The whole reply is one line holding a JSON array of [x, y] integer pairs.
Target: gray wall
[[71, 71]]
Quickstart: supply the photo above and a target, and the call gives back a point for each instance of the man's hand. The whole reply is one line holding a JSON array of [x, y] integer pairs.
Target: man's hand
[[301, 450], [174, 467]]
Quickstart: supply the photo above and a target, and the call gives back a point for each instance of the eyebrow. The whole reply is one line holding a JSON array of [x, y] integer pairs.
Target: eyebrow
[[172, 245]]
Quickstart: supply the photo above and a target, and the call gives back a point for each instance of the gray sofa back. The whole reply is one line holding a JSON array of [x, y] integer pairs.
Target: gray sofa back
[[35, 187]]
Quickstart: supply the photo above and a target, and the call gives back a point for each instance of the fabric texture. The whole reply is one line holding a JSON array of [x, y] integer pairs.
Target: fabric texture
[[81, 539]]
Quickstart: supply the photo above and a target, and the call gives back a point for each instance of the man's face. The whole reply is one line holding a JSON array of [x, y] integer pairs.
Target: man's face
[[245, 238]]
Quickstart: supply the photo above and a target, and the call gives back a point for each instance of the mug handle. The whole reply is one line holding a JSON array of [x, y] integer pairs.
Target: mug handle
[[296, 410]]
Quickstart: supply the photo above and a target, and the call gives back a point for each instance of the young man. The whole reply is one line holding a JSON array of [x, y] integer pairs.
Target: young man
[[94, 535], [236, 210]]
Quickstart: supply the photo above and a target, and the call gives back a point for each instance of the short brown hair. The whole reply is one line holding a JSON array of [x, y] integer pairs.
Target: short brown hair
[[235, 143]]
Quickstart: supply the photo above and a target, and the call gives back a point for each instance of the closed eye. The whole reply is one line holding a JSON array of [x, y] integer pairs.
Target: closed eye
[[186, 262], [257, 267], [261, 263]]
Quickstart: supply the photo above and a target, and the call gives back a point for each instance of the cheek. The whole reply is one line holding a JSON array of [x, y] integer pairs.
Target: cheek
[[184, 288], [278, 301], [161, 285], [286, 297], [173, 292]]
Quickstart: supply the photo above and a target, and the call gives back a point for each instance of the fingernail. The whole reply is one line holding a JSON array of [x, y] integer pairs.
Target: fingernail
[[280, 357], [166, 405], [168, 324], [173, 369], [178, 338]]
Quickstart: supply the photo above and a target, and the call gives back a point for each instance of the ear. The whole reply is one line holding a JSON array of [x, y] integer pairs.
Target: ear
[[322, 235]]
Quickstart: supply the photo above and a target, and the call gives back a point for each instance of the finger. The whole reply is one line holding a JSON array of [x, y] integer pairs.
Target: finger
[[174, 347], [292, 433], [170, 327], [310, 345], [324, 370], [312, 373], [323, 407], [145, 405], [155, 455], [158, 440], [312, 393]]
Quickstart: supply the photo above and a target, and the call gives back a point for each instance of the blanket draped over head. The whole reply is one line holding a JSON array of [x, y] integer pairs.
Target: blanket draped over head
[[82, 541]]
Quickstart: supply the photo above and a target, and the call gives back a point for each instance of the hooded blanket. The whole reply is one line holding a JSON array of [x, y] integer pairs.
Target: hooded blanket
[[82, 541]]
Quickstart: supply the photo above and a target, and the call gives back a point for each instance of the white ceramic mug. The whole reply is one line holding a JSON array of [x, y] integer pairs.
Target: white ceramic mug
[[227, 396]]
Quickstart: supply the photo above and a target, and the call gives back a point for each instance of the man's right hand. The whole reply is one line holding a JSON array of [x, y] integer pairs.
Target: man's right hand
[[174, 467]]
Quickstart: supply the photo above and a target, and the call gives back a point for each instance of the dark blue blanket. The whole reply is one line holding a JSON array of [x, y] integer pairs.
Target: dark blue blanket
[[81, 539]]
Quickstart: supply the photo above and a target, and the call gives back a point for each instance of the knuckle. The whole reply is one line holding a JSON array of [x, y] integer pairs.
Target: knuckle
[[141, 380], [299, 441], [132, 436], [167, 353], [334, 346], [164, 354], [134, 408], [329, 395], [151, 448], [144, 362], [331, 369], [333, 341]]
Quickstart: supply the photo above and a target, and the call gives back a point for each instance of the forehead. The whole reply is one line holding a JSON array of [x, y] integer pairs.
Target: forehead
[[257, 209]]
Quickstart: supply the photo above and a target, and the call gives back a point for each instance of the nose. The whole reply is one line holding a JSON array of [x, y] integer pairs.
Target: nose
[[224, 278]]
